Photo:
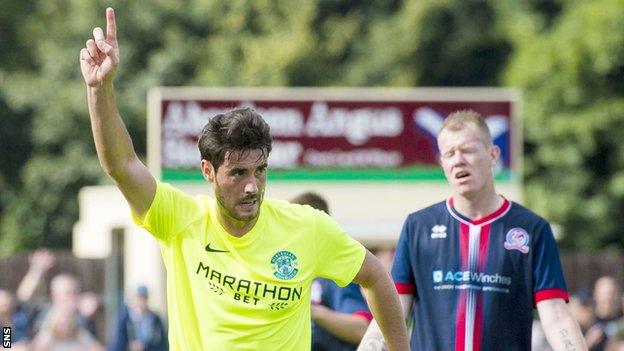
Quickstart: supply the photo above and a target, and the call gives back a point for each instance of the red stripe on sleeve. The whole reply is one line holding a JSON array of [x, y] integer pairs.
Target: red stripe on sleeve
[[405, 289], [547, 294], [364, 314]]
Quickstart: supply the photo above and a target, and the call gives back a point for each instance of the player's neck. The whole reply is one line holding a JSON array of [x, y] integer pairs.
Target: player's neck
[[477, 206], [233, 226]]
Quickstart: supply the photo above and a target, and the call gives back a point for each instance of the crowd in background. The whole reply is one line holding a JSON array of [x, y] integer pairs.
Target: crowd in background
[[600, 314], [66, 319]]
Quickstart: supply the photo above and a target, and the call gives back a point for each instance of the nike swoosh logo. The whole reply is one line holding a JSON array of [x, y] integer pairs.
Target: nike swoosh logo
[[210, 249]]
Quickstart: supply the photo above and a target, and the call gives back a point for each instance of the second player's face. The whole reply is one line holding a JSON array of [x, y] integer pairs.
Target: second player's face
[[467, 160], [239, 184]]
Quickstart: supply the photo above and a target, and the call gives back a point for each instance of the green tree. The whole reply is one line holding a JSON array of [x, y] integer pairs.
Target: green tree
[[204, 43], [572, 77], [162, 42], [433, 43], [45, 130], [15, 146]]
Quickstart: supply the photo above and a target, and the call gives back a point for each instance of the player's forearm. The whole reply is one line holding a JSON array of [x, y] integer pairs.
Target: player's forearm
[[386, 307], [560, 327], [112, 141], [344, 326], [565, 335]]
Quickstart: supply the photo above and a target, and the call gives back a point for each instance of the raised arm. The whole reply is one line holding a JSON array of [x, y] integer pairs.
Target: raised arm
[[384, 303], [561, 329], [39, 264], [98, 62]]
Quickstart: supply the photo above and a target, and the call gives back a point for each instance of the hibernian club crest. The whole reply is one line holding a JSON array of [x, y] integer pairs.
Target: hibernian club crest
[[285, 265]]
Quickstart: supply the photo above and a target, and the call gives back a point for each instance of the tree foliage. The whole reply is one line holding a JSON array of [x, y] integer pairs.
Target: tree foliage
[[47, 150], [572, 77]]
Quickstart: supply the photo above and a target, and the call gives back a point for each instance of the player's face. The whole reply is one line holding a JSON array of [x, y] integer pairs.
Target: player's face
[[467, 160], [239, 184]]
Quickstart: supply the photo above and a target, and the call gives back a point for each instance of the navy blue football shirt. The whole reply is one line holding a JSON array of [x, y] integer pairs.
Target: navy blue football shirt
[[475, 283], [346, 300]]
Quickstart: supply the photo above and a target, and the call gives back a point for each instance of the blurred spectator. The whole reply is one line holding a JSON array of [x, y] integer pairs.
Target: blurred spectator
[[607, 299], [138, 328], [65, 291], [61, 332], [340, 315], [607, 310], [88, 305], [39, 263], [65, 295], [617, 340], [14, 318], [18, 311], [582, 308]]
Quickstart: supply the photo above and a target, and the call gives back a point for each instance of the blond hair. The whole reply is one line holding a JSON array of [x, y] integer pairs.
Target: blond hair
[[457, 120]]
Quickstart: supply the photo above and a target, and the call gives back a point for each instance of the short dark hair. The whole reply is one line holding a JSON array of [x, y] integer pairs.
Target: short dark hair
[[312, 199], [239, 129]]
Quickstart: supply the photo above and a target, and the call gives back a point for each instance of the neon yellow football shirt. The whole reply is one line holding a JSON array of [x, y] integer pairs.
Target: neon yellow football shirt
[[248, 293]]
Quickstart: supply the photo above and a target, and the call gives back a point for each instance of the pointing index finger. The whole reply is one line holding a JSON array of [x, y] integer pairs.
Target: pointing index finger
[[111, 26]]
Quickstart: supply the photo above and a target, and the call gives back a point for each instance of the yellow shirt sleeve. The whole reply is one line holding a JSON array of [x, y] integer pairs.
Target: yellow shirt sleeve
[[339, 256], [171, 211]]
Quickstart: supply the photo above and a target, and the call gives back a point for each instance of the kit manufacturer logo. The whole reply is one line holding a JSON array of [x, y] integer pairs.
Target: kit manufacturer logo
[[438, 231]]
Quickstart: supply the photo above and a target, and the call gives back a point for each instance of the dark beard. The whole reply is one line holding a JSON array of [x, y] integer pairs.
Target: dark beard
[[229, 212]]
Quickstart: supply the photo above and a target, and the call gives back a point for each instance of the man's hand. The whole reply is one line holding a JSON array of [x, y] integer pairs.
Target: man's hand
[[98, 63], [385, 304], [100, 58], [373, 339], [41, 261]]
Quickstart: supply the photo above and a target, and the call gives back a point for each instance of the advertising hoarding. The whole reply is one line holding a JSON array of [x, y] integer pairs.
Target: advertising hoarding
[[332, 134]]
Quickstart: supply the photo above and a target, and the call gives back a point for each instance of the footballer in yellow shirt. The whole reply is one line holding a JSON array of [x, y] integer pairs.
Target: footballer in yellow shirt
[[239, 269], [247, 293]]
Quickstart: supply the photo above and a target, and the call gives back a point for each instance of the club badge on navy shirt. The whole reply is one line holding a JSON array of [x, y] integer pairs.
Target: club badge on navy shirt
[[517, 239]]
